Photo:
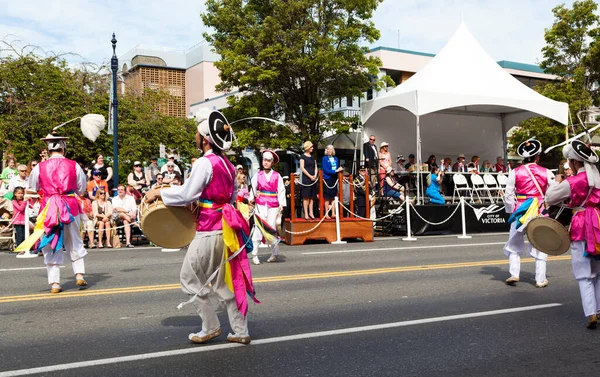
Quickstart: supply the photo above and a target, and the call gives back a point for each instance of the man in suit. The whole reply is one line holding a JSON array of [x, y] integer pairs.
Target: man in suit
[[371, 158]]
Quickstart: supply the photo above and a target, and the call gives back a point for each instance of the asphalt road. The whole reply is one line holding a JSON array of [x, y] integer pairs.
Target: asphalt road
[[435, 307]]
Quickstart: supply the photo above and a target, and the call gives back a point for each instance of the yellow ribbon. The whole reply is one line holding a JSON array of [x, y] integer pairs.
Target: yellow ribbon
[[231, 245], [532, 211]]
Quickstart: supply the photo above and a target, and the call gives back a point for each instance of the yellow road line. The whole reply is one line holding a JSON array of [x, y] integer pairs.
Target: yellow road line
[[271, 279]]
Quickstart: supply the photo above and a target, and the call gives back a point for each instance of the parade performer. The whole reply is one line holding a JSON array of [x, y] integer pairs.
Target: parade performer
[[525, 190], [212, 185], [60, 180], [268, 193], [582, 193]]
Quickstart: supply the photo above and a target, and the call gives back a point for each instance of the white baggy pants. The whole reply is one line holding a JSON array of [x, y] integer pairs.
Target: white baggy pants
[[73, 244], [270, 216], [515, 247], [203, 257], [586, 270]]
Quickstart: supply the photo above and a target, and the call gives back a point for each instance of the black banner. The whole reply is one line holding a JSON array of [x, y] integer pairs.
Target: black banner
[[483, 218]]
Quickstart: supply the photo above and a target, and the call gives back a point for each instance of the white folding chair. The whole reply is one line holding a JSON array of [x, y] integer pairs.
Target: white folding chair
[[460, 185], [502, 180], [492, 185], [478, 185]]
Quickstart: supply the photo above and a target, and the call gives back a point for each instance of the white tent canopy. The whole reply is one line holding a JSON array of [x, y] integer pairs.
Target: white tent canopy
[[462, 101]]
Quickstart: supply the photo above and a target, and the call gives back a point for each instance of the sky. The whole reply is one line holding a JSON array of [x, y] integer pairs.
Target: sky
[[507, 30]]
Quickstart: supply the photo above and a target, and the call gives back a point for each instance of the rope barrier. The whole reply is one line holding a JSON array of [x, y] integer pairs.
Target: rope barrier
[[315, 227], [392, 212], [302, 184], [430, 223], [334, 186]]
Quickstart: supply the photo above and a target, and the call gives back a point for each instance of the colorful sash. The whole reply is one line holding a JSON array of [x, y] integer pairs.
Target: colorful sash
[[50, 225], [237, 276]]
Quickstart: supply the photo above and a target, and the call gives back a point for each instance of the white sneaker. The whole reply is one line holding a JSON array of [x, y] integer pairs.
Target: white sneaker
[[255, 260], [272, 258], [542, 284]]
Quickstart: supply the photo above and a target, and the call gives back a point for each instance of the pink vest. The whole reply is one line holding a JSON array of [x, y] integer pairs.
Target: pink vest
[[267, 190], [58, 176], [218, 192], [524, 186], [579, 191]]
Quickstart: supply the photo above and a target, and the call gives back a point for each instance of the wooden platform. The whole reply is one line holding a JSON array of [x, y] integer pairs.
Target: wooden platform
[[349, 228]]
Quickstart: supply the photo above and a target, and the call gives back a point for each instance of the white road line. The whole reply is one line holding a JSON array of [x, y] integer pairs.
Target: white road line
[[24, 269], [154, 355], [404, 248]]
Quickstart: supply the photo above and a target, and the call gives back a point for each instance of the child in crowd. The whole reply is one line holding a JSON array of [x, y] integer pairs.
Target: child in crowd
[[19, 214]]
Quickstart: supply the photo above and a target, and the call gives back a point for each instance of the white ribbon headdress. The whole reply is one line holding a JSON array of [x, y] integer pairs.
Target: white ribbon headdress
[[578, 151]]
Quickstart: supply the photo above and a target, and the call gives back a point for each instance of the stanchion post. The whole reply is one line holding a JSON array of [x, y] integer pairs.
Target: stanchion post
[[409, 236], [337, 222], [464, 221]]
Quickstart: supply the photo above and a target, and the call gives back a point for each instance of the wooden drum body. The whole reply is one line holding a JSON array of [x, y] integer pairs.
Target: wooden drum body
[[168, 227]]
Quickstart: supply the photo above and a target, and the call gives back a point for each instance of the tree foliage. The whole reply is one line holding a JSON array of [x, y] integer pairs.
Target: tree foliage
[[290, 59], [38, 93], [571, 53]]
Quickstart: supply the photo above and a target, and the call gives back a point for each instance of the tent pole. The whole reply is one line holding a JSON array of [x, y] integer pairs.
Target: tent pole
[[355, 163], [418, 167], [504, 140]]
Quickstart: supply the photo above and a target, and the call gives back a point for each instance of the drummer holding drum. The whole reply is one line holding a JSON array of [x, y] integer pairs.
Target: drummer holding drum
[[582, 194], [527, 181], [213, 186]]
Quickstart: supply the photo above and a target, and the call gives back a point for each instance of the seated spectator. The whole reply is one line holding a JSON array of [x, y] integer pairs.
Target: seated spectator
[[135, 194], [400, 164], [177, 180], [487, 167], [474, 165], [500, 167], [459, 165], [32, 164], [169, 173], [106, 171], [159, 180], [87, 220], [102, 211], [410, 165], [95, 184], [152, 170], [136, 178], [446, 165], [433, 190], [125, 211], [9, 171], [19, 180], [171, 160], [391, 187], [431, 163]]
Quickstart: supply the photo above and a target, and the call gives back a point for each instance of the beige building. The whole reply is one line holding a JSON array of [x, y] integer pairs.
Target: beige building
[[190, 76]]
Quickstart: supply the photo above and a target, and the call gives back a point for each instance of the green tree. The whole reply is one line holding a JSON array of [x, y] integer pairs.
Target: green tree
[[290, 60], [571, 53], [37, 93]]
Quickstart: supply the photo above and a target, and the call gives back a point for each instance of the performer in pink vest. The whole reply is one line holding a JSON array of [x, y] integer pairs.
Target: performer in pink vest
[[61, 180], [582, 193], [213, 185], [527, 181], [268, 193]]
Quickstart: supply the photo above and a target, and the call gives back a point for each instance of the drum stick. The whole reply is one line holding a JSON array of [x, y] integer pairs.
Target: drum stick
[[573, 138]]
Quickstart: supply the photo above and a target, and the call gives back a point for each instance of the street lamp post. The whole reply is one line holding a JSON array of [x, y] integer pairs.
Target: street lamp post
[[114, 66]]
